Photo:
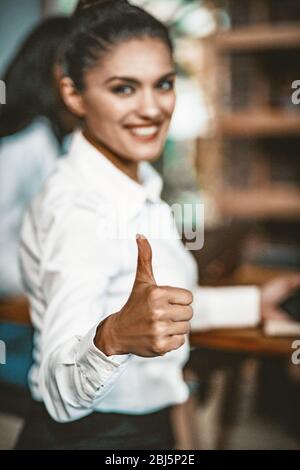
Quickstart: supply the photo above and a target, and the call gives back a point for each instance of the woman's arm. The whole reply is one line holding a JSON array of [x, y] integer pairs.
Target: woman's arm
[[69, 268], [67, 271]]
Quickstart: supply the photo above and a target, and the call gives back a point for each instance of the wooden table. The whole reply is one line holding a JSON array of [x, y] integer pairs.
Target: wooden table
[[226, 344], [230, 348], [250, 340], [15, 310]]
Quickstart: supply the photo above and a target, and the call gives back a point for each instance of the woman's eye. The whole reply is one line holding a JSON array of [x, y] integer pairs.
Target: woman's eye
[[123, 90], [166, 85]]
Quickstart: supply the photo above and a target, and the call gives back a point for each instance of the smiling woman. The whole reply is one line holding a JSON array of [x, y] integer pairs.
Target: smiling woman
[[123, 86], [110, 343], [127, 103], [110, 323]]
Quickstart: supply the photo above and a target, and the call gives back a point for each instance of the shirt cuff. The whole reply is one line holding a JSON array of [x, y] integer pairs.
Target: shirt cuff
[[226, 307], [97, 369]]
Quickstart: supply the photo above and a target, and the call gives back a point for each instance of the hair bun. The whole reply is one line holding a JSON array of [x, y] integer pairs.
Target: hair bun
[[83, 4]]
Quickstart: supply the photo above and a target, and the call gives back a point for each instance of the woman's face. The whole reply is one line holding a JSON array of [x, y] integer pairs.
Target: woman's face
[[129, 98]]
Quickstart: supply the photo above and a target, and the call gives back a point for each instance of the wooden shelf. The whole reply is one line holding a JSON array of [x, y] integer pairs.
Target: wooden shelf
[[258, 123], [248, 273], [275, 204], [260, 37]]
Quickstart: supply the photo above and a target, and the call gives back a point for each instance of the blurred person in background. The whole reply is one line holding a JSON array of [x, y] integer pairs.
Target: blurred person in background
[[111, 321], [33, 125], [35, 129]]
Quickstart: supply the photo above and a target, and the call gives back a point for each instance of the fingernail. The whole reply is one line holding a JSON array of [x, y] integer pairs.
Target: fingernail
[[140, 236]]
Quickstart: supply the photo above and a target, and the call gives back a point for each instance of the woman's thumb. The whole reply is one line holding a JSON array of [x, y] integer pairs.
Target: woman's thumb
[[144, 272]]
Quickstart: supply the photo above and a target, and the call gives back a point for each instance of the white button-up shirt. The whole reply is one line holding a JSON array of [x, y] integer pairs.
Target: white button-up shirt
[[79, 256]]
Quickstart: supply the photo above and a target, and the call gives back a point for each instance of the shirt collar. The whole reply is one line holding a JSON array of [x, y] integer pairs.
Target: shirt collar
[[101, 175]]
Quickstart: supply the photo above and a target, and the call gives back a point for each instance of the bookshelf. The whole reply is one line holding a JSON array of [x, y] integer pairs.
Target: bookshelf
[[254, 163], [250, 163]]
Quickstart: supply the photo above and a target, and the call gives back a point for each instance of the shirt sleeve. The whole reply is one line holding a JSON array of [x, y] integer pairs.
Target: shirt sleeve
[[75, 270], [225, 307]]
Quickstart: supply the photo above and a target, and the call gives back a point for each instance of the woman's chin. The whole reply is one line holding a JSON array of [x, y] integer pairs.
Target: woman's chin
[[148, 155]]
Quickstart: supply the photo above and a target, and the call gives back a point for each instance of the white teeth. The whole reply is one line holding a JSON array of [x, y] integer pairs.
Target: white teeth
[[144, 131]]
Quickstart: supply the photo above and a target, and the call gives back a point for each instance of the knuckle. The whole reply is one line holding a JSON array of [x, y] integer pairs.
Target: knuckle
[[154, 294], [159, 348], [156, 330], [156, 314], [163, 291]]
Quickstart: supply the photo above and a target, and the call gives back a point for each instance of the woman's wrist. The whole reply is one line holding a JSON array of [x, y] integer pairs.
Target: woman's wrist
[[106, 339]]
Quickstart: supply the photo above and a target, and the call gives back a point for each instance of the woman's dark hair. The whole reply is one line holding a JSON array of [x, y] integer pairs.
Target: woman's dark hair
[[29, 78], [98, 25]]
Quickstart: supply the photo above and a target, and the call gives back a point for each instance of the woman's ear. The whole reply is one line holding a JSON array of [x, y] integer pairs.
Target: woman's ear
[[72, 97]]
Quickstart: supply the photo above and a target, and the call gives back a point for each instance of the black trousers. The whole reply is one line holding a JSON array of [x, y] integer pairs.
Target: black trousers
[[98, 431]]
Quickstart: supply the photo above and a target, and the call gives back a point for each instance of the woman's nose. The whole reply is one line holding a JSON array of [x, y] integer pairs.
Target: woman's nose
[[149, 106]]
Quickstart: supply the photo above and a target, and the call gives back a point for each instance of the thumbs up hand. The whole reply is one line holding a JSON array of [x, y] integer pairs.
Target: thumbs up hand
[[154, 319]]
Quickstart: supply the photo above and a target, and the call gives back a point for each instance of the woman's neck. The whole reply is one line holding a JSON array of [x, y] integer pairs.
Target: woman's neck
[[128, 167]]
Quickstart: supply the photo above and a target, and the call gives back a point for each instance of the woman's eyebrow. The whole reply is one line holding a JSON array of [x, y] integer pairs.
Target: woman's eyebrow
[[170, 74]]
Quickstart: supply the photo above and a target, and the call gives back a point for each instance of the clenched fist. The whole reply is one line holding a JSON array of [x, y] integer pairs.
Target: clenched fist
[[154, 320]]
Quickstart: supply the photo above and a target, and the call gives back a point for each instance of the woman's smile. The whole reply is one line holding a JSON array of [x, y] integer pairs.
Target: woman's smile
[[144, 133]]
